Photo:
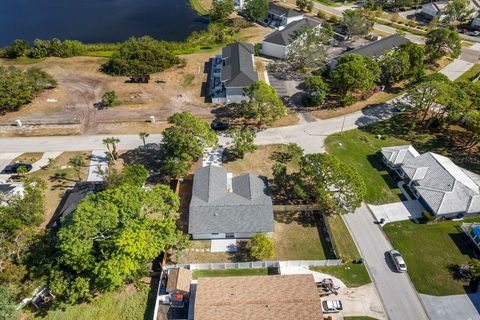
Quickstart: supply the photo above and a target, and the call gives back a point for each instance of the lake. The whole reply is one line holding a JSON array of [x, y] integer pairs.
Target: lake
[[97, 20]]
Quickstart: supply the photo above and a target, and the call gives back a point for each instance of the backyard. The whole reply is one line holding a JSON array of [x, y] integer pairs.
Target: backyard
[[432, 253], [229, 273]]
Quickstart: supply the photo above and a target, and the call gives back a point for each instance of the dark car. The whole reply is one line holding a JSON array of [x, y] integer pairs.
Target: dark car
[[13, 168], [219, 125]]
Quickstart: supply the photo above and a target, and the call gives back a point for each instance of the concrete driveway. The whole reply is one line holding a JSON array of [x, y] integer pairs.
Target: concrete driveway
[[98, 159], [455, 69], [461, 306], [395, 289], [398, 211], [357, 302]]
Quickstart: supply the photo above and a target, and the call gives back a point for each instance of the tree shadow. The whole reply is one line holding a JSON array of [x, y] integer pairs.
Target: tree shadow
[[149, 156], [242, 253], [303, 218]]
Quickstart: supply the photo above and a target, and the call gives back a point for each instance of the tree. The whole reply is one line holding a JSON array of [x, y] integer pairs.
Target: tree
[[309, 50], [354, 74], [422, 96], [143, 136], [395, 66], [255, 9], [335, 185], [140, 56], [243, 141], [442, 42], [305, 5], [472, 123], [357, 22], [108, 99], [8, 306], [262, 247], [112, 143], [317, 91], [77, 163], [264, 105], [188, 137], [175, 168], [18, 48], [221, 9], [416, 58], [458, 10]]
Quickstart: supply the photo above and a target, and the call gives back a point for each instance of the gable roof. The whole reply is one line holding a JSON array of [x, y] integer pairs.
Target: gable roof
[[238, 67], [379, 47], [217, 206], [399, 154], [258, 297], [277, 10], [179, 279], [288, 35]]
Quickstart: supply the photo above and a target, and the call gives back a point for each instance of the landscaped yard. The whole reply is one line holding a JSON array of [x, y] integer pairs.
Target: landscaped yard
[[431, 251], [470, 74], [230, 273], [29, 157], [353, 275], [343, 240]]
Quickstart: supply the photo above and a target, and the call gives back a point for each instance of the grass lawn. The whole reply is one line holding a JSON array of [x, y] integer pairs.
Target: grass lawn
[[29, 157], [353, 275], [343, 240], [126, 304], [470, 74], [230, 273], [199, 6], [430, 251]]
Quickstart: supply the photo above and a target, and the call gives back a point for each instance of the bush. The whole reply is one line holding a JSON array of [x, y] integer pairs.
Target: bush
[[18, 48], [262, 247], [321, 15], [140, 56], [428, 215], [108, 99], [333, 19]]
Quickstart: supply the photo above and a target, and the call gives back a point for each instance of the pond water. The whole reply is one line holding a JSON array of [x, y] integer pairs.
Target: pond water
[[97, 20]]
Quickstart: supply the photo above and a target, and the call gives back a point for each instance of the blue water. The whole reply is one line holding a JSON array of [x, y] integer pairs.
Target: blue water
[[97, 20]]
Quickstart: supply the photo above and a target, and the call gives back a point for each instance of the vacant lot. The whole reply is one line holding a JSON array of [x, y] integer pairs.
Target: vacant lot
[[432, 253]]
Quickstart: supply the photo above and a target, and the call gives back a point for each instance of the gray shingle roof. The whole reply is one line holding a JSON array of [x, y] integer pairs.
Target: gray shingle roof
[[287, 35], [213, 209], [379, 47], [277, 10], [238, 68], [399, 154]]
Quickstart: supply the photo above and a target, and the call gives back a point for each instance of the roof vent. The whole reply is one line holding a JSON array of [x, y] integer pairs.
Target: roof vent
[[229, 182]]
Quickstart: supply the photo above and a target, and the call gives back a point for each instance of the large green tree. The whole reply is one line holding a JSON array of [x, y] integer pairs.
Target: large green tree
[[255, 9], [317, 91], [221, 9], [264, 105], [309, 50], [262, 247], [458, 11], [140, 56], [416, 58], [17, 49], [395, 66], [243, 141], [357, 22], [305, 5], [8, 307], [335, 185], [442, 42]]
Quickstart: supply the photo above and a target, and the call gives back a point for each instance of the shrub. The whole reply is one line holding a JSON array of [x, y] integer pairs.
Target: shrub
[[108, 99], [321, 15], [262, 247], [18, 48]]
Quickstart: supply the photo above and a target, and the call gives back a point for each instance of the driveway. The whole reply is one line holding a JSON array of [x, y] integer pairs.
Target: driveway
[[44, 160], [455, 69], [213, 157], [395, 289], [398, 211], [98, 159], [460, 306]]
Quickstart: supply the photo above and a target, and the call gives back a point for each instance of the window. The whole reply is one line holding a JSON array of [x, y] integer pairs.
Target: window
[[214, 234], [229, 235]]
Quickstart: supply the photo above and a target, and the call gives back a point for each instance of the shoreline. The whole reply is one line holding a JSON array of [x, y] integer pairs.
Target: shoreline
[[198, 7]]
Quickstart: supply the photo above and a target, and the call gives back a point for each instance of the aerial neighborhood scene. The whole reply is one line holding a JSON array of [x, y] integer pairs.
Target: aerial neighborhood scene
[[240, 159]]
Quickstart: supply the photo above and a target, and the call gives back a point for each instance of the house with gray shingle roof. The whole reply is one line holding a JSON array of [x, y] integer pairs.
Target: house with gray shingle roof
[[231, 72], [278, 43], [442, 187], [224, 206], [279, 16]]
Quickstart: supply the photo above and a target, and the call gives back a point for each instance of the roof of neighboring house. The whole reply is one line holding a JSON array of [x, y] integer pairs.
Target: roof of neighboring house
[[238, 69], [9, 187], [379, 47], [278, 10], [397, 155], [258, 297], [179, 279], [229, 204], [435, 6], [287, 35]]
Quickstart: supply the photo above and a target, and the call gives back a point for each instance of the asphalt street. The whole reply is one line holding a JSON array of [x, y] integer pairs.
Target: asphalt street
[[398, 295]]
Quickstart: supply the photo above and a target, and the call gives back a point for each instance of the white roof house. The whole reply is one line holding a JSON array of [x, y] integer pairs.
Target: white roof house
[[8, 190], [436, 9], [440, 184]]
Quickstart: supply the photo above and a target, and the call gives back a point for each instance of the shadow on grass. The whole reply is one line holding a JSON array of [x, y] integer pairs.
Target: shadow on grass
[[305, 219]]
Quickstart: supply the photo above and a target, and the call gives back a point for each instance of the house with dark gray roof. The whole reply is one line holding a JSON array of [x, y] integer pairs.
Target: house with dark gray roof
[[224, 206], [442, 187], [279, 16], [231, 72], [278, 43]]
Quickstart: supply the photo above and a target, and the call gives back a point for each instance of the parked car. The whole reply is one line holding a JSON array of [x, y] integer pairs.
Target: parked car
[[219, 125], [474, 33], [332, 306], [398, 260], [13, 168]]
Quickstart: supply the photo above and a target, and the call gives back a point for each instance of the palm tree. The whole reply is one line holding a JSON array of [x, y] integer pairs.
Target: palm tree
[[143, 136], [77, 163], [112, 141]]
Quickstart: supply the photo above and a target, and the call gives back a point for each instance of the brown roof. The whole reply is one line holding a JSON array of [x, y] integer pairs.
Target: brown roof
[[179, 279], [258, 297]]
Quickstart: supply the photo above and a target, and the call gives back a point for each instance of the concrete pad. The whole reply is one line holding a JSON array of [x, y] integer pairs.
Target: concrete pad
[[460, 306], [318, 276], [44, 160], [213, 157], [98, 159], [398, 211], [361, 301], [223, 245], [455, 69], [476, 46]]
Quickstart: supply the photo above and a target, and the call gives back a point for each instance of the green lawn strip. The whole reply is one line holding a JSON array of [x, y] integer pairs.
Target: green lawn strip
[[198, 7], [121, 305], [360, 149], [343, 240], [229, 272], [328, 3], [470, 74], [353, 275], [430, 251]]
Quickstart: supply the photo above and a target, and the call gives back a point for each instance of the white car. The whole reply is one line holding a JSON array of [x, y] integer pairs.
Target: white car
[[332, 306], [474, 33], [398, 261]]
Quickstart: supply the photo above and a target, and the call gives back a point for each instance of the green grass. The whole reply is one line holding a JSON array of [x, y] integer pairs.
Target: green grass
[[470, 74], [360, 149], [198, 7], [230, 273], [430, 251], [121, 305], [28, 60], [328, 3], [101, 54], [343, 240], [353, 275]]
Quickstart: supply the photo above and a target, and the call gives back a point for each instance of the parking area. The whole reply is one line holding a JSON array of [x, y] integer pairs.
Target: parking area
[[397, 211]]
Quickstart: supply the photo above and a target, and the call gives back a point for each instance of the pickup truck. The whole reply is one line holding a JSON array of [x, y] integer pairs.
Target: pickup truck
[[332, 306]]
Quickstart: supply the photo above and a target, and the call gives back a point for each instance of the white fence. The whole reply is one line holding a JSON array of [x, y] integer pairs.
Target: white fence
[[259, 264]]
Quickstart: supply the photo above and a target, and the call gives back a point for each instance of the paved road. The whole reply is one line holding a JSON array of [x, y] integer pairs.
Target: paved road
[[398, 294]]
